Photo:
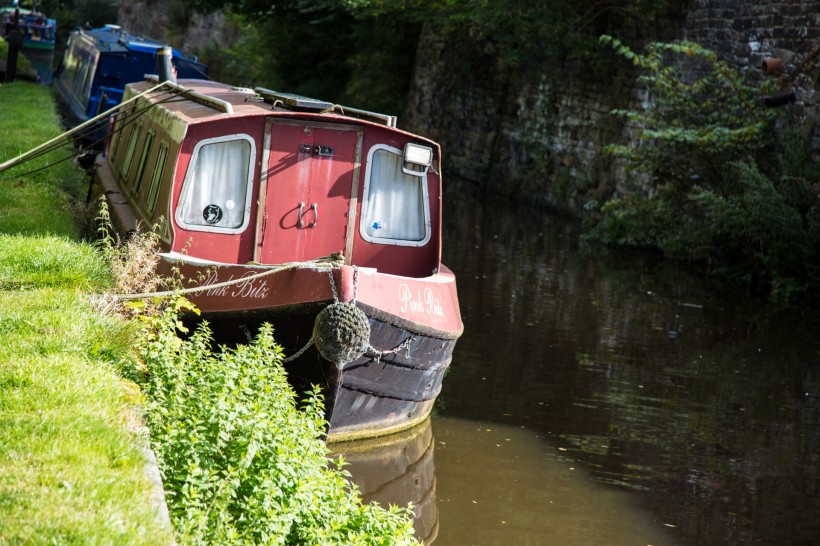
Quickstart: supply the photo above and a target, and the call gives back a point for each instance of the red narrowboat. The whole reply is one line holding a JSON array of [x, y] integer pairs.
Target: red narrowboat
[[321, 219]]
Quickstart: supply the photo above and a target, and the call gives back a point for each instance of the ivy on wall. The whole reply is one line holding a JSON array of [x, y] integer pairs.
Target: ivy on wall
[[719, 188]]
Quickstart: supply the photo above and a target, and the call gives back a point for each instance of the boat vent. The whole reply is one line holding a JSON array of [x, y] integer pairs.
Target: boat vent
[[298, 102]]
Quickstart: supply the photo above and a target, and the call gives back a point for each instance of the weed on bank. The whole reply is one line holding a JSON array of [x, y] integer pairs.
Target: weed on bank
[[242, 460]]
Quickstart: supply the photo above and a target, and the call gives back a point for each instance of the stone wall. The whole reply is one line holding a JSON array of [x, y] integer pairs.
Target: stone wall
[[176, 24], [543, 138], [746, 33]]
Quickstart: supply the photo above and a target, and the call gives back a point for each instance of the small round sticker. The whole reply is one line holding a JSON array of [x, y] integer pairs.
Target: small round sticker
[[212, 214]]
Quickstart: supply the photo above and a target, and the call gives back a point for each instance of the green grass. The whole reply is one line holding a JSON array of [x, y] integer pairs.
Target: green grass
[[71, 469], [42, 201], [39, 261]]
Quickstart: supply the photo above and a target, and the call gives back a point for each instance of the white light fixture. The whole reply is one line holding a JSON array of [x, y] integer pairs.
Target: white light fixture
[[417, 159]]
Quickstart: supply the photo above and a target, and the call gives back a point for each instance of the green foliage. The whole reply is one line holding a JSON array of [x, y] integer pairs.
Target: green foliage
[[362, 52], [708, 196], [371, 71], [692, 125], [71, 14], [242, 463], [23, 64]]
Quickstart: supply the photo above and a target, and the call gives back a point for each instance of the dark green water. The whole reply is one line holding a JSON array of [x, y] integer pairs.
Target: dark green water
[[41, 61], [608, 401]]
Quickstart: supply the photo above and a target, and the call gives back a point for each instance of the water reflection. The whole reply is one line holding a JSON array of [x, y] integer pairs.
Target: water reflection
[[397, 470], [41, 61], [504, 485], [704, 406]]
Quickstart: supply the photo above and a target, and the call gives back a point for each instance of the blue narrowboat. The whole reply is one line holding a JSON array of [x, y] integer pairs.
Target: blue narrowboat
[[99, 63]]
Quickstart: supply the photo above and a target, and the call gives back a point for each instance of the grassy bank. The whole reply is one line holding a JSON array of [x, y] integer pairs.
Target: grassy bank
[[71, 471]]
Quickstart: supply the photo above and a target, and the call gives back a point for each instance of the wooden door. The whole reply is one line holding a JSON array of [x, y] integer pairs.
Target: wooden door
[[306, 197]]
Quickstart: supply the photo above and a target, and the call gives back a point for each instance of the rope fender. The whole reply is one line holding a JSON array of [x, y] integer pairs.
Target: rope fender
[[341, 331]]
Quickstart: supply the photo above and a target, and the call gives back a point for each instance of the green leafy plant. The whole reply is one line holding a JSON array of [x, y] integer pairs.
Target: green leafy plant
[[699, 113], [241, 460], [701, 190]]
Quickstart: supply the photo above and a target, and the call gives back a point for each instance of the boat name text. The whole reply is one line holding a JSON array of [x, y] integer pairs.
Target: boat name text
[[244, 288], [420, 302]]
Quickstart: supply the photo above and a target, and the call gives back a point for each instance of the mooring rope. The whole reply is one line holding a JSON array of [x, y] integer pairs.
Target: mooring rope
[[334, 345], [203, 288]]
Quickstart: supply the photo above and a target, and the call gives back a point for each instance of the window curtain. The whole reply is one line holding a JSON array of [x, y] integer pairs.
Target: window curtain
[[218, 178], [394, 207]]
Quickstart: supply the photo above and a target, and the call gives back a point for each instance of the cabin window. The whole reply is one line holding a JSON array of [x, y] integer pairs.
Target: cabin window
[[85, 93], [216, 194], [156, 176], [118, 132], [129, 151], [395, 207], [146, 149]]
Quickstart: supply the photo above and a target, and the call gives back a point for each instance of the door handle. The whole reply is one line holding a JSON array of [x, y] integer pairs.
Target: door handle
[[315, 208], [299, 222]]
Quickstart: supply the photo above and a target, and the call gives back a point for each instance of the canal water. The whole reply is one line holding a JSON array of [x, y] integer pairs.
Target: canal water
[[605, 400], [41, 61]]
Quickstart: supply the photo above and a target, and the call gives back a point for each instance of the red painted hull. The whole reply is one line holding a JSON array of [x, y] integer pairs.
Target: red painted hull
[[374, 394]]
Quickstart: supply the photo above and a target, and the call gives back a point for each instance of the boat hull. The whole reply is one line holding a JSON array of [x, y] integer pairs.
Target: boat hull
[[391, 387], [37, 44]]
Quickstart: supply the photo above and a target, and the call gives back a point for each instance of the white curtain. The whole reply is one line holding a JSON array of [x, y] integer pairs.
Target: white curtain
[[217, 185], [394, 206]]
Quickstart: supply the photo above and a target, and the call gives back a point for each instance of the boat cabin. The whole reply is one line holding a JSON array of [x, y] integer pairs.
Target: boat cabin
[[99, 63], [251, 176]]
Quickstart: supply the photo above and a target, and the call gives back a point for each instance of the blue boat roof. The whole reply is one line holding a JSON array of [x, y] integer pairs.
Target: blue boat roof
[[112, 38]]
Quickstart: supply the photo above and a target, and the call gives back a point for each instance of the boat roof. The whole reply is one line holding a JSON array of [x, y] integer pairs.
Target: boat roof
[[113, 39], [8, 10], [208, 99]]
